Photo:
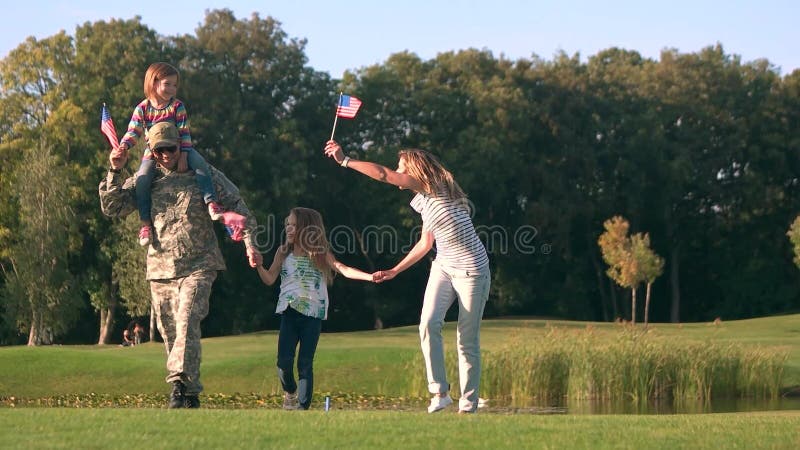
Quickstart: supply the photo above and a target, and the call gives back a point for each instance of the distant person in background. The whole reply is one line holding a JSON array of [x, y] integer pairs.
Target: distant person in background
[[306, 266], [138, 334], [184, 257], [459, 271], [126, 338]]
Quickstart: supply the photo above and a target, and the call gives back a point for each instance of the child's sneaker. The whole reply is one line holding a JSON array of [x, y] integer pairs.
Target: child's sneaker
[[215, 211], [144, 236], [439, 403], [290, 401]]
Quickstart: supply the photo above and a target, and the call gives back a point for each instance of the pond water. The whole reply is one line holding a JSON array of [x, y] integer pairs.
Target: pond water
[[650, 407]]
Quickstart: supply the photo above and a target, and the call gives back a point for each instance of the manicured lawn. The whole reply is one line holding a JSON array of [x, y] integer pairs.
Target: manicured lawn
[[368, 374], [255, 428], [371, 362]]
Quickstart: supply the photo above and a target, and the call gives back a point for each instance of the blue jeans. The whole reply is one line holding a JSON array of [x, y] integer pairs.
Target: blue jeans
[[296, 329], [147, 170], [472, 291]]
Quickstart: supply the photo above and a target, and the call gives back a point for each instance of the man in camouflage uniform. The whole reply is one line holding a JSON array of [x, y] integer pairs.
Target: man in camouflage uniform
[[184, 256]]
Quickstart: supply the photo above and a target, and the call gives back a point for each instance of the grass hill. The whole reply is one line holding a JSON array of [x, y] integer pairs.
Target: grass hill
[[369, 362]]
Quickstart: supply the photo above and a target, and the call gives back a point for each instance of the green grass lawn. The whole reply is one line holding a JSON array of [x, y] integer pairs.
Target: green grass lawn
[[358, 369], [254, 428], [370, 362]]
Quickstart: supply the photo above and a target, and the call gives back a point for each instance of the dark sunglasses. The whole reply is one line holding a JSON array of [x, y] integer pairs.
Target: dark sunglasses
[[170, 149]]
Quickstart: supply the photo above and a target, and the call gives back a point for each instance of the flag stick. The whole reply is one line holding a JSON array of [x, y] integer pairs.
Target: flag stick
[[336, 116]]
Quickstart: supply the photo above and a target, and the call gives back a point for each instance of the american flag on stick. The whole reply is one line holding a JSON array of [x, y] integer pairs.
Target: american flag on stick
[[107, 127], [346, 109], [348, 106]]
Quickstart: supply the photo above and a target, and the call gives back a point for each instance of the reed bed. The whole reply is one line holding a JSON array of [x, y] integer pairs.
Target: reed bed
[[627, 363]]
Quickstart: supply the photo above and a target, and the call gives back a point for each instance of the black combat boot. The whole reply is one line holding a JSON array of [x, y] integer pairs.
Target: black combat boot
[[191, 401], [177, 399]]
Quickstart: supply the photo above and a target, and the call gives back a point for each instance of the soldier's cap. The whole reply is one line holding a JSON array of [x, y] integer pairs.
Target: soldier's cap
[[162, 134]]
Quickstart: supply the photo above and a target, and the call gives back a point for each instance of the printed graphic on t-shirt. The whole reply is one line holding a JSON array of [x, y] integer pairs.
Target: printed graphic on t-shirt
[[303, 288]]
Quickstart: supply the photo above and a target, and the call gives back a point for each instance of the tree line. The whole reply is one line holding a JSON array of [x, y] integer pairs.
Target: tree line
[[697, 150]]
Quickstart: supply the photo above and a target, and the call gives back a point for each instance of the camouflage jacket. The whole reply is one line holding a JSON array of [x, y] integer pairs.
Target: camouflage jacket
[[184, 241]]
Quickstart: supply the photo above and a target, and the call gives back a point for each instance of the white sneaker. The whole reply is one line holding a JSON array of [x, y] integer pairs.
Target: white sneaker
[[439, 403], [215, 210], [290, 401], [144, 236]]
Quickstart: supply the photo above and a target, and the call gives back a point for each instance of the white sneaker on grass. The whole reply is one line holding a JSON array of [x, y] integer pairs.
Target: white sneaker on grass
[[439, 403]]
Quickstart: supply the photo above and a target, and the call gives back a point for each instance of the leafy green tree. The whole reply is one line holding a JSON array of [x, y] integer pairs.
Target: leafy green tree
[[40, 293], [630, 259], [698, 148], [649, 264], [794, 238], [695, 170], [618, 252], [261, 115], [39, 189], [119, 281], [616, 134], [111, 264]]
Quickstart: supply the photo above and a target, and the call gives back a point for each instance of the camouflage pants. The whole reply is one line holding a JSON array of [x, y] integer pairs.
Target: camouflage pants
[[180, 304]]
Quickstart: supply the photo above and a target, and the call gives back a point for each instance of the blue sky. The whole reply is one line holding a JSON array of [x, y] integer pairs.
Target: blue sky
[[351, 34]]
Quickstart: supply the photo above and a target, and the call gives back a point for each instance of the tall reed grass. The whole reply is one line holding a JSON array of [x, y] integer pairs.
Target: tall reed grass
[[627, 363]]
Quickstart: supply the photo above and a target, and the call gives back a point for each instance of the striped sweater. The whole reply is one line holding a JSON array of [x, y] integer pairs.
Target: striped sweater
[[457, 243], [145, 115]]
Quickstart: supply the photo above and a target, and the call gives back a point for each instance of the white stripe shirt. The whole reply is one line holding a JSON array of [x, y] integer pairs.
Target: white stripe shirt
[[457, 244]]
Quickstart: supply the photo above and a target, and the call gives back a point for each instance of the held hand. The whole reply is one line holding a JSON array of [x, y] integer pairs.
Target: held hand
[[254, 257], [183, 162], [118, 157], [383, 275], [334, 150], [235, 223]]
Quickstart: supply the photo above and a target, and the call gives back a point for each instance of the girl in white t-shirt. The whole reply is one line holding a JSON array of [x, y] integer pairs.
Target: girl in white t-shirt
[[306, 266]]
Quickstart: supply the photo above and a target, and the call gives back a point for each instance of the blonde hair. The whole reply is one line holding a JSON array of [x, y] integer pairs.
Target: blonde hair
[[155, 73], [311, 238], [427, 169]]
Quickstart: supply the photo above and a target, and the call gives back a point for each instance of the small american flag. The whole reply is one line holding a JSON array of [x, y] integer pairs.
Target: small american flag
[[107, 127], [348, 106]]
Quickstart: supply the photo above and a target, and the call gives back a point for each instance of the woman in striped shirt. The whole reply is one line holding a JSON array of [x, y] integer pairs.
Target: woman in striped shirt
[[459, 271]]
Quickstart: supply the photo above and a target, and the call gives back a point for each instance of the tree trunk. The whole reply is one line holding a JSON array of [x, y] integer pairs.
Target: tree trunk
[[33, 334], [647, 304], [633, 305], [378, 324], [604, 300], [47, 337], [363, 249], [613, 290], [106, 324], [107, 315], [675, 284], [103, 334]]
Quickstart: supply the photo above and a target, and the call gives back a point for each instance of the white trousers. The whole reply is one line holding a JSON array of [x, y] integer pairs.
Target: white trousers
[[472, 290]]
